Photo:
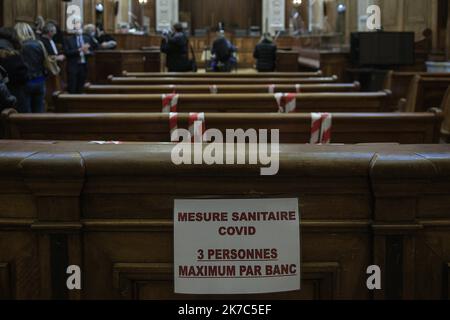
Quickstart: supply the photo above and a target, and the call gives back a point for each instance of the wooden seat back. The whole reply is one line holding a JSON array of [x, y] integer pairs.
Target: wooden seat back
[[429, 90], [405, 128], [222, 75], [254, 103], [227, 88], [217, 81], [110, 208]]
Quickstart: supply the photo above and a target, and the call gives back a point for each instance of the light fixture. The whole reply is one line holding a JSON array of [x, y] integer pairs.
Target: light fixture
[[296, 3], [341, 8], [142, 2], [99, 7]]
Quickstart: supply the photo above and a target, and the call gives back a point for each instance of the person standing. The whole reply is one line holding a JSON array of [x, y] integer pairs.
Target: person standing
[[38, 26], [90, 31], [12, 61], [54, 82], [34, 58], [48, 33], [265, 54], [176, 47], [77, 50]]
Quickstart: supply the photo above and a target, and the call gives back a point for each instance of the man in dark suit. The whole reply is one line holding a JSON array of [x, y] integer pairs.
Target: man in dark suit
[[77, 49], [48, 33], [175, 46]]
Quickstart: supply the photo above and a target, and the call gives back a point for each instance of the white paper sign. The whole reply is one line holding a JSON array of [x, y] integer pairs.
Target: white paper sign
[[235, 246]]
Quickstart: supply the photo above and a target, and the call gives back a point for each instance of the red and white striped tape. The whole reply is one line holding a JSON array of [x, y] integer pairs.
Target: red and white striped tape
[[272, 88], [197, 126], [169, 102], [213, 89], [321, 128], [173, 125], [287, 102]]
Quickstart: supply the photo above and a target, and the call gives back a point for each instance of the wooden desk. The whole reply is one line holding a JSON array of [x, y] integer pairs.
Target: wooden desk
[[331, 62], [287, 61], [114, 62]]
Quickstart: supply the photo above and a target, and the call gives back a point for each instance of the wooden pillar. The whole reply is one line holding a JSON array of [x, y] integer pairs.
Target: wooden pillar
[[56, 182], [316, 15], [396, 187], [303, 10]]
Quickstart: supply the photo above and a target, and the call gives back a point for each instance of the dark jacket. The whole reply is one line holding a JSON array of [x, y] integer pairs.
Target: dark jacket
[[266, 56], [7, 100], [95, 45], [12, 61], [106, 38], [223, 49], [48, 46], [33, 55], [71, 50], [176, 49]]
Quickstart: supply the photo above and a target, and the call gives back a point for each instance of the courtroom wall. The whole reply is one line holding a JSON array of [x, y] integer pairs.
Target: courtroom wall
[[397, 15]]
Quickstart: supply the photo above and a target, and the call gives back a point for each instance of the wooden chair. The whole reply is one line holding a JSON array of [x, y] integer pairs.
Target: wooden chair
[[426, 93]]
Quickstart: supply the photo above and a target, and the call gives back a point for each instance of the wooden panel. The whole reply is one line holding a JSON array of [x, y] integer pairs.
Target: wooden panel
[[5, 282], [25, 10], [347, 128], [432, 262], [390, 14], [149, 89], [222, 80], [19, 272], [14, 11], [417, 15], [53, 10], [360, 205], [238, 103], [89, 11], [114, 62], [236, 14], [147, 281]]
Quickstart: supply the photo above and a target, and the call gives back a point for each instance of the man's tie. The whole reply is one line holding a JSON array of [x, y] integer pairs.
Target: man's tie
[[80, 45]]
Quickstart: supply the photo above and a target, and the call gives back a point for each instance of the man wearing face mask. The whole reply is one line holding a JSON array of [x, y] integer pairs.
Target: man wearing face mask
[[77, 48], [90, 31], [48, 33]]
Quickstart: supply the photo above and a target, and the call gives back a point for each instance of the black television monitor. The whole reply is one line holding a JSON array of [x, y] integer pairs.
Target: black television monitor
[[378, 49]]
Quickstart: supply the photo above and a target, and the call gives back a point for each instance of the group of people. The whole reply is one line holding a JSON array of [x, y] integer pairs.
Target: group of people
[[26, 54], [176, 46]]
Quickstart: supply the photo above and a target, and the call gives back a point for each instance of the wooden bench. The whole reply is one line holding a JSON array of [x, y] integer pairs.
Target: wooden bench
[[307, 102], [426, 89], [445, 132], [217, 81], [255, 88], [222, 75], [413, 128], [109, 209]]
